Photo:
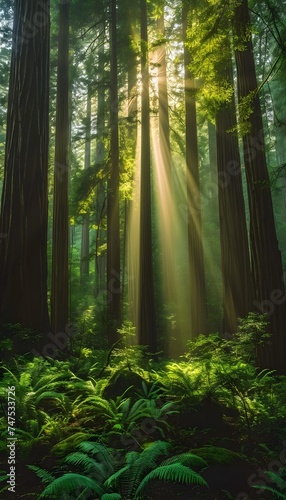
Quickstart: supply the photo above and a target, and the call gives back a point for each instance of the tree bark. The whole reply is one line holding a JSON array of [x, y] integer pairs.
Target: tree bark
[[267, 269], [60, 268], [24, 207], [196, 255], [147, 313], [100, 153], [113, 226], [84, 257], [235, 260]]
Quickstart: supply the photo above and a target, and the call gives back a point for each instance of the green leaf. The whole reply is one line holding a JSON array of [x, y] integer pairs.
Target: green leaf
[[70, 482], [176, 473]]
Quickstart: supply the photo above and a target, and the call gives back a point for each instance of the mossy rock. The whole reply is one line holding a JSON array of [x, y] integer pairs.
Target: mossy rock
[[124, 381]]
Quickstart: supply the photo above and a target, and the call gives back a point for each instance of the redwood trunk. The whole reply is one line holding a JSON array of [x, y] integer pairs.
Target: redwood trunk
[[147, 314], [60, 268], [196, 257], [235, 261], [24, 208], [267, 269], [113, 227]]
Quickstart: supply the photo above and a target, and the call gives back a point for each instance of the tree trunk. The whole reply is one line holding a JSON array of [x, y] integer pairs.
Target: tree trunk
[[84, 258], [168, 264], [60, 268], [100, 257], [113, 226], [235, 261], [147, 313], [267, 270], [196, 258], [24, 208]]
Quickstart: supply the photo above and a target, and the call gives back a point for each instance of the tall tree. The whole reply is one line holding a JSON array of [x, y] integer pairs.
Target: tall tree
[[113, 225], [60, 267], [265, 255], [100, 202], [84, 258], [196, 255], [147, 312], [168, 264], [235, 261], [23, 222]]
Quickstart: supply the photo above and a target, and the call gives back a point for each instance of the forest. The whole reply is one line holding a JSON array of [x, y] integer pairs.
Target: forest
[[143, 249]]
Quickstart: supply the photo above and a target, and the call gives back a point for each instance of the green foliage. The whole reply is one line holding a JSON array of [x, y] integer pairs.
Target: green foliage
[[217, 455], [122, 477], [278, 480]]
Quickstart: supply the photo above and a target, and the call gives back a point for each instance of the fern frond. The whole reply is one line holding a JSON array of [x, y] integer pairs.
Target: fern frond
[[103, 452], [113, 480], [268, 488], [88, 465], [215, 454], [177, 473], [43, 474], [70, 443], [111, 496], [188, 459], [277, 479], [70, 482], [49, 395], [147, 460]]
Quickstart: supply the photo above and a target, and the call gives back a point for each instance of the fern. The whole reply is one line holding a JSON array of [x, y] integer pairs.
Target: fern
[[44, 475], [215, 454], [189, 459], [69, 443], [87, 464], [175, 473], [278, 480], [111, 496], [70, 482]]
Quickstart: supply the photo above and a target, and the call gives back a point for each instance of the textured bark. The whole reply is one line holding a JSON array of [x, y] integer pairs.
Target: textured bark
[[196, 255], [84, 257], [168, 259], [113, 226], [23, 223], [131, 229], [147, 313], [235, 260], [100, 258], [60, 276], [267, 270]]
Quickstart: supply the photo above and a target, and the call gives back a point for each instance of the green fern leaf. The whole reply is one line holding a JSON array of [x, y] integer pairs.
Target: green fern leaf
[[111, 496], [215, 454], [275, 492], [43, 474], [176, 473], [113, 480], [70, 482], [188, 459], [103, 452], [277, 479], [88, 465]]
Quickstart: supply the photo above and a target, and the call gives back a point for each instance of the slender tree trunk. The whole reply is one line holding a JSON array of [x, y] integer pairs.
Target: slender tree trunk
[[60, 268], [132, 211], [113, 226], [24, 207], [147, 313], [100, 257], [84, 261], [265, 255], [196, 256], [235, 261], [166, 159]]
